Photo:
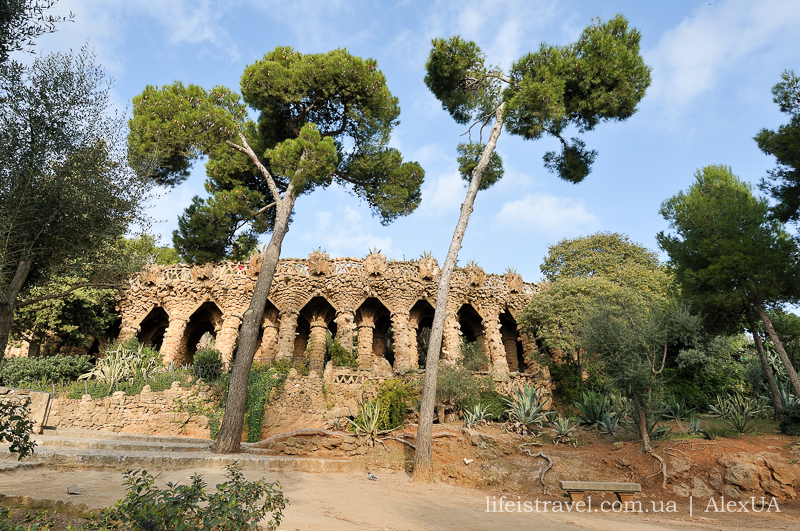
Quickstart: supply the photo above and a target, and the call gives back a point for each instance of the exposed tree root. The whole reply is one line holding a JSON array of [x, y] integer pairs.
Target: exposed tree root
[[266, 443], [545, 470], [663, 468]]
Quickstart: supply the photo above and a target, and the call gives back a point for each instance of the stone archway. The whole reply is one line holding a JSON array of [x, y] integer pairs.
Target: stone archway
[[515, 355], [153, 327], [369, 317], [318, 315], [207, 318], [472, 330], [421, 321]]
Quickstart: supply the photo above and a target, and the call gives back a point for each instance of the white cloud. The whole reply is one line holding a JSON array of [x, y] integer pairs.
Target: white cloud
[[443, 195], [344, 233], [694, 57], [555, 215]]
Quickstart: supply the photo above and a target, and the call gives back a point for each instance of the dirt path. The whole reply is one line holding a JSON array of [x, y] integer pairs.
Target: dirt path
[[393, 503]]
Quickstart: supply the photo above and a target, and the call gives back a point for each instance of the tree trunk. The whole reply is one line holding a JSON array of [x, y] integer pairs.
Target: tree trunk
[[773, 387], [648, 446], [423, 457], [230, 431], [779, 347], [8, 301]]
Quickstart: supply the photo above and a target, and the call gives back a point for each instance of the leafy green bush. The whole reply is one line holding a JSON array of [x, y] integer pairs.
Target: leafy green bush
[[16, 428], [260, 383], [24, 372], [494, 402], [790, 425], [340, 356], [207, 364], [236, 505], [457, 387], [472, 356], [395, 398]]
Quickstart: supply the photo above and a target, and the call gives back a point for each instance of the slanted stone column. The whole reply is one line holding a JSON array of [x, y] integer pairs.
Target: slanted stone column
[[451, 338], [269, 339], [319, 329], [406, 357], [345, 329], [494, 346], [226, 338], [128, 330], [510, 344], [170, 348], [366, 327], [286, 334]]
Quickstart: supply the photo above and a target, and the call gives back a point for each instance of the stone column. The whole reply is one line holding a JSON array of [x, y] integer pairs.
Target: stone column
[[406, 357], [128, 330], [379, 344], [451, 338], [345, 329], [286, 334], [366, 326], [319, 329], [529, 350], [269, 339], [171, 347], [494, 346], [510, 344], [226, 338]]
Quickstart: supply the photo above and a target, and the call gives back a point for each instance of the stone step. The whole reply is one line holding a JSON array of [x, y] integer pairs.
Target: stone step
[[121, 445], [76, 433], [107, 459]]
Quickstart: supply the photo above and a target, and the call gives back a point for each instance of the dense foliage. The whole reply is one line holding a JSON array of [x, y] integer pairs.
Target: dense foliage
[[236, 505], [26, 372], [16, 428]]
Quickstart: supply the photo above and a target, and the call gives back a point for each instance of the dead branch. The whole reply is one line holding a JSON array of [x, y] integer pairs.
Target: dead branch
[[404, 442], [543, 455]]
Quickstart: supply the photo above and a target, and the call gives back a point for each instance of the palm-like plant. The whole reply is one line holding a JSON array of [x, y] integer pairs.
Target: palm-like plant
[[368, 420], [737, 411]]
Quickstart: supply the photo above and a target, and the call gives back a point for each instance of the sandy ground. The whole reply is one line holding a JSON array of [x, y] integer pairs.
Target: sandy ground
[[393, 503]]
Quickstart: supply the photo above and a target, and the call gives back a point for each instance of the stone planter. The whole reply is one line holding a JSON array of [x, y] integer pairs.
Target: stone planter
[[514, 281], [475, 275], [375, 265], [319, 263], [428, 268]]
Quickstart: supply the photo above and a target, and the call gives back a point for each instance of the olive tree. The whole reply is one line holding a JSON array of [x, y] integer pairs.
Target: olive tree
[[601, 77], [66, 191], [321, 119]]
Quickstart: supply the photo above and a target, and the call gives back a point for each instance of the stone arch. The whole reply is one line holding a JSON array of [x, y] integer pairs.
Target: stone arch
[[318, 314], [421, 321], [153, 327], [369, 320], [206, 318], [515, 355], [471, 326]]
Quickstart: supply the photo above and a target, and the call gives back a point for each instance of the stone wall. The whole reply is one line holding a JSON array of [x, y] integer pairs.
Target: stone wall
[[37, 402], [358, 300], [172, 412]]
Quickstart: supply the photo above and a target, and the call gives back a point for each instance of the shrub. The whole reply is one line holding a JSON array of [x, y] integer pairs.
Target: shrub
[[395, 398], [24, 372], [592, 407], [790, 425], [340, 356], [236, 505], [457, 387], [472, 356], [207, 364], [259, 387], [494, 402], [16, 428]]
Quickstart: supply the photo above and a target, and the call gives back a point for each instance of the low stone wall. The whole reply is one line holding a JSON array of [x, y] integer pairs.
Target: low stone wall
[[161, 413]]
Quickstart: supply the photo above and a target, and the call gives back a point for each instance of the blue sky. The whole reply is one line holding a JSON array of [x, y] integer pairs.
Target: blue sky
[[713, 63]]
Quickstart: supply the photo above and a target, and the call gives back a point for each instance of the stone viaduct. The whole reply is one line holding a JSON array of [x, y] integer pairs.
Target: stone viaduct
[[376, 308]]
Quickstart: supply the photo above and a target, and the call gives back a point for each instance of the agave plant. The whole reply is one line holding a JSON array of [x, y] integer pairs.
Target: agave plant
[[592, 407], [694, 427], [368, 420], [121, 362], [562, 430], [737, 411], [477, 416], [526, 410], [609, 424], [677, 410]]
